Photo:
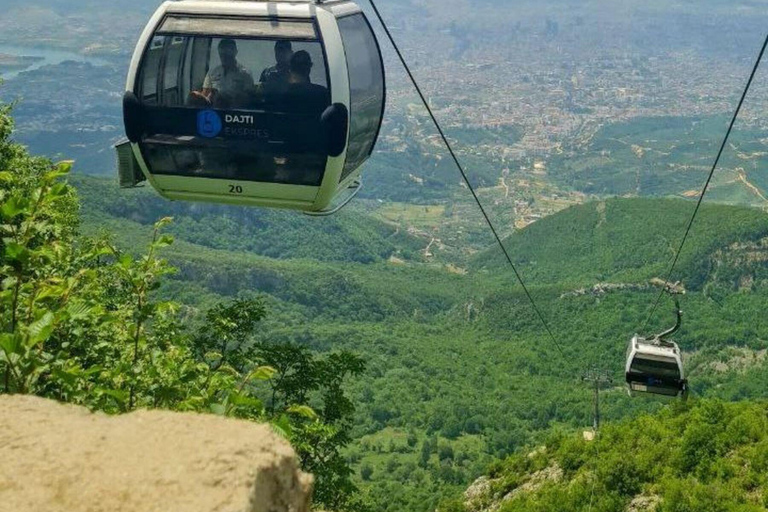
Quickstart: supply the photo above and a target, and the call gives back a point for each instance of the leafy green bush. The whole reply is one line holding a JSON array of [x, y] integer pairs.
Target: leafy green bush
[[705, 456], [82, 321]]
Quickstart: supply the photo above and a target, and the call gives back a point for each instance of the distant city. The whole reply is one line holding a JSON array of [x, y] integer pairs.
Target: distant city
[[542, 102]]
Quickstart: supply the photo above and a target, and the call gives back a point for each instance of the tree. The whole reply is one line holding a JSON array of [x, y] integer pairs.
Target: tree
[[445, 452], [302, 376], [227, 329], [83, 321], [366, 472], [426, 452]]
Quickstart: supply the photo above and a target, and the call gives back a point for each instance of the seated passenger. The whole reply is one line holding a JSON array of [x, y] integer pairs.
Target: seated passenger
[[275, 78], [229, 85], [306, 164], [302, 96]]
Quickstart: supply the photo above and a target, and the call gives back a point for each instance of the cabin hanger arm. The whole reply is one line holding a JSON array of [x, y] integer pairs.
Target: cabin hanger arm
[[660, 338]]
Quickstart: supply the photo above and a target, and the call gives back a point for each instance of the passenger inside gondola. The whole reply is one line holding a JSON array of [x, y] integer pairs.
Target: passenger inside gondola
[[282, 109], [305, 98], [301, 95], [229, 85], [275, 78]]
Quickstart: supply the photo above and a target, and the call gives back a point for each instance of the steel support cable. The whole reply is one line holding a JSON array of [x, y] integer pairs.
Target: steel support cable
[[706, 185], [476, 198], [464, 175]]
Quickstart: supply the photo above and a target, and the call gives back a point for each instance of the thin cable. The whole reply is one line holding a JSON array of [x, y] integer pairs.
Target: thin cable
[[709, 180], [464, 176]]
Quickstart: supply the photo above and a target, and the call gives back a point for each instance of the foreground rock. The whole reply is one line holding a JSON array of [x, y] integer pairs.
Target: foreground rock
[[57, 457]]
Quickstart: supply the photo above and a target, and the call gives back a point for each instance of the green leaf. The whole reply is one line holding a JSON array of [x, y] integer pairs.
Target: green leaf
[[225, 368], [10, 343], [91, 371], [41, 330], [219, 409], [262, 373], [163, 222], [303, 411], [62, 168], [125, 260], [120, 396], [69, 377], [16, 252], [164, 241], [58, 190], [14, 206], [241, 400], [49, 291], [282, 427], [79, 310]]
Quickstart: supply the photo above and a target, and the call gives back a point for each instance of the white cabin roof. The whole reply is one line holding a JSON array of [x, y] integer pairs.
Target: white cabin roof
[[272, 8]]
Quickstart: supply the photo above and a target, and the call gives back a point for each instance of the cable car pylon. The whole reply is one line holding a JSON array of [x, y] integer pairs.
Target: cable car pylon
[[596, 377]]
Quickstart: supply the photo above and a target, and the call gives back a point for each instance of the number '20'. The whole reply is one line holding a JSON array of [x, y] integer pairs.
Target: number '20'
[[235, 189]]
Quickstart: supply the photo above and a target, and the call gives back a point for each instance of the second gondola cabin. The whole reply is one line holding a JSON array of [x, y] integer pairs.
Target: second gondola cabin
[[655, 367], [274, 104]]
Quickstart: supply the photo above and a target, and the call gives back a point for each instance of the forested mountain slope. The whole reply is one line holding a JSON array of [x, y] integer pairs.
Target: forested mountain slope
[[630, 240], [354, 236], [707, 456], [459, 370]]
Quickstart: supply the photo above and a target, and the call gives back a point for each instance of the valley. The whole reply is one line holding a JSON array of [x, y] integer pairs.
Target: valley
[[457, 362], [588, 130]]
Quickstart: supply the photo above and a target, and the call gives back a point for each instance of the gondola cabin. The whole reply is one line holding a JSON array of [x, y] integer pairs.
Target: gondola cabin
[[655, 368], [259, 103]]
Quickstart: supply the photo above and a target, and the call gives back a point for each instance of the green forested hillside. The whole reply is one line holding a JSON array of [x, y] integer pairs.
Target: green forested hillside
[[459, 371], [391, 343], [421, 373], [628, 240], [276, 234], [706, 457]]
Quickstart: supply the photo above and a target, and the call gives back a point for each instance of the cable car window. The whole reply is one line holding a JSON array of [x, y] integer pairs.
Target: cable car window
[[665, 369], [366, 82], [150, 70], [245, 109], [235, 73], [171, 94], [198, 63], [238, 27]]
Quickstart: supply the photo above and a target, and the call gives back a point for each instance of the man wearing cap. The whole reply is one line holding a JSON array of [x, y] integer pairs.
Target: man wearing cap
[[277, 75], [230, 84]]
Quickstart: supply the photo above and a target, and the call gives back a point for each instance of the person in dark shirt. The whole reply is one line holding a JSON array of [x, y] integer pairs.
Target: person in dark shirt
[[276, 77], [308, 100], [302, 96]]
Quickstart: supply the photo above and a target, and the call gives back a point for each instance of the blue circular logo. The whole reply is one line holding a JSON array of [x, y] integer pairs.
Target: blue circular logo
[[208, 123]]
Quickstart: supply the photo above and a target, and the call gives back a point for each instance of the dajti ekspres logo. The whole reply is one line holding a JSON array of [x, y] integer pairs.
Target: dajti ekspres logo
[[208, 123]]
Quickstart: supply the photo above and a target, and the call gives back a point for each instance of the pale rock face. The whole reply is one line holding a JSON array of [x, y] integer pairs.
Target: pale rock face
[[477, 493], [644, 503], [553, 473], [479, 496], [61, 458]]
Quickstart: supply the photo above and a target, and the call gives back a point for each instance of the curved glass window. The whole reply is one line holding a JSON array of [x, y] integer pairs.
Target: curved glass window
[[366, 83], [244, 104], [663, 369]]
